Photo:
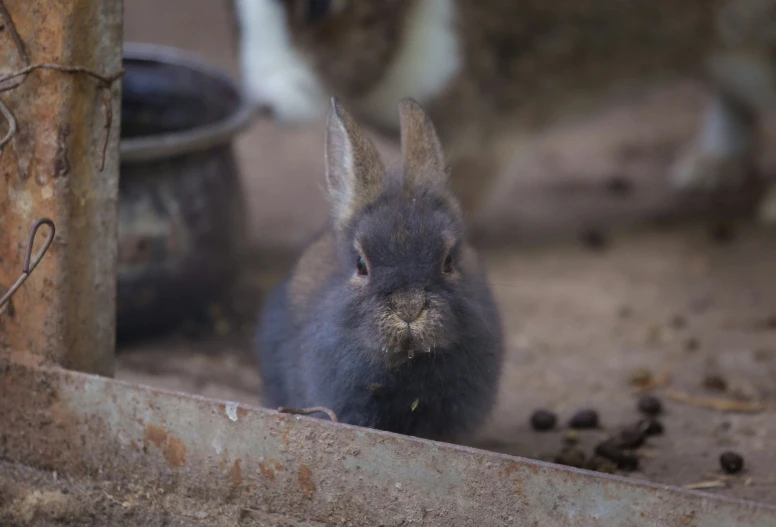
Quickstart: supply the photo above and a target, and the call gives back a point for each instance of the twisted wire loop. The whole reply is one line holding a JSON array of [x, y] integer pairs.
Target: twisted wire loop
[[30, 263]]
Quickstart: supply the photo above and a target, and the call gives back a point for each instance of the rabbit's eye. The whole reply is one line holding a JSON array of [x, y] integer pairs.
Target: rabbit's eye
[[317, 10], [448, 267], [361, 266]]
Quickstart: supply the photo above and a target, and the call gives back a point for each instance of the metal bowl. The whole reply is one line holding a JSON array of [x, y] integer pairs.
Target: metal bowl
[[180, 207]]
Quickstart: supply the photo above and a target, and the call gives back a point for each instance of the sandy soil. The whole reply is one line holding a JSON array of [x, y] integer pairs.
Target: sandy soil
[[684, 302]]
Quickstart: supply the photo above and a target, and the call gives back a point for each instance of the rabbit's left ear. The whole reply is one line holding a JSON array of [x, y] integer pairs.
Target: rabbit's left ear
[[423, 161], [354, 170]]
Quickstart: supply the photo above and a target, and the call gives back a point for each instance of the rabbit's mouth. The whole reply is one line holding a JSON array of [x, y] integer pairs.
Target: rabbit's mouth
[[408, 351], [415, 325], [408, 340], [408, 344]]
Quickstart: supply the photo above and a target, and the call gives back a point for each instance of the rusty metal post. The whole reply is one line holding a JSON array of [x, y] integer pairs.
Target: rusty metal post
[[67, 128]]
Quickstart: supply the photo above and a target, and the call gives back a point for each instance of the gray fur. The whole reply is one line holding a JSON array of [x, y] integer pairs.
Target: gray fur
[[335, 344]]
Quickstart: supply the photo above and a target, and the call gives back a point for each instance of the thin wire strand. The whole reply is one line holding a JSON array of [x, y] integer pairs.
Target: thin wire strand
[[11, 125], [17, 40], [308, 411], [104, 79]]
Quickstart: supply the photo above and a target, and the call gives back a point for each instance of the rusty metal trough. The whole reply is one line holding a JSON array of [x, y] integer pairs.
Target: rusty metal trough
[[223, 457], [223, 453]]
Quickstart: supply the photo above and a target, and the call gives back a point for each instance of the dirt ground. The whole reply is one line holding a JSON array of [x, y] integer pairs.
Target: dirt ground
[[580, 323], [685, 301], [31, 498]]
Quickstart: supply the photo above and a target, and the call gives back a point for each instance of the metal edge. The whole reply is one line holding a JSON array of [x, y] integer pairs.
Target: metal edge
[[254, 457], [167, 145]]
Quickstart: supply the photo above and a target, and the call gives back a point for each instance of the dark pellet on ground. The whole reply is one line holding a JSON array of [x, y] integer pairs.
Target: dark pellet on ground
[[714, 383], [722, 233], [731, 462], [678, 322], [595, 239], [628, 462], [571, 457], [624, 460], [691, 344], [768, 323], [584, 419], [619, 186], [650, 405], [542, 420], [631, 437], [601, 464], [608, 449], [651, 427]]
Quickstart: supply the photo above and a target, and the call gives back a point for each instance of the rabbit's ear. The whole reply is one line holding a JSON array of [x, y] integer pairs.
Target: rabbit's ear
[[354, 170], [423, 161]]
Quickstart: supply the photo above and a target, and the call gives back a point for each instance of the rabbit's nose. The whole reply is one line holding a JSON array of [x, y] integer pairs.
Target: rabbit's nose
[[408, 305]]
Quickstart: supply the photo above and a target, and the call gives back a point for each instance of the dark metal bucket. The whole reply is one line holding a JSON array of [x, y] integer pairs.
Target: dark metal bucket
[[180, 205]]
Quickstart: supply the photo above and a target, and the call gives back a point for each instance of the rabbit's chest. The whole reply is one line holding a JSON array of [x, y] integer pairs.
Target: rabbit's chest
[[414, 388]]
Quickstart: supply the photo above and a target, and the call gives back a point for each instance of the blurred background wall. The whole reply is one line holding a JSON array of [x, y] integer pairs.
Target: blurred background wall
[[566, 178]]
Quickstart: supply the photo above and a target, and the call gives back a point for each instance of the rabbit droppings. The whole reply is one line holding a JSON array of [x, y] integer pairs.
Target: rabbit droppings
[[387, 318], [491, 72]]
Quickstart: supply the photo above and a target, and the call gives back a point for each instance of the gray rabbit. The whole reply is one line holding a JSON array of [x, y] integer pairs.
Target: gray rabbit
[[387, 318]]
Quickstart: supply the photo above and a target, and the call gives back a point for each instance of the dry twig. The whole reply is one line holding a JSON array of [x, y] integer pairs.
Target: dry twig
[[710, 484], [661, 380], [714, 403]]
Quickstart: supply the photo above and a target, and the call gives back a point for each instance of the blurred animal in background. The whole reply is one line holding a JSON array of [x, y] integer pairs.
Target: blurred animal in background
[[487, 70], [741, 69]]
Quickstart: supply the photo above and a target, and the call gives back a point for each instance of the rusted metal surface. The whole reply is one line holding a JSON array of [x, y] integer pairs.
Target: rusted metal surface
[[65, 313], [180, 205], [240, 458]]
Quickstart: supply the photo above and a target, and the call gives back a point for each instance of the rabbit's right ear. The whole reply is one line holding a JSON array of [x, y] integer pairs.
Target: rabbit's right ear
[[354, 170]]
